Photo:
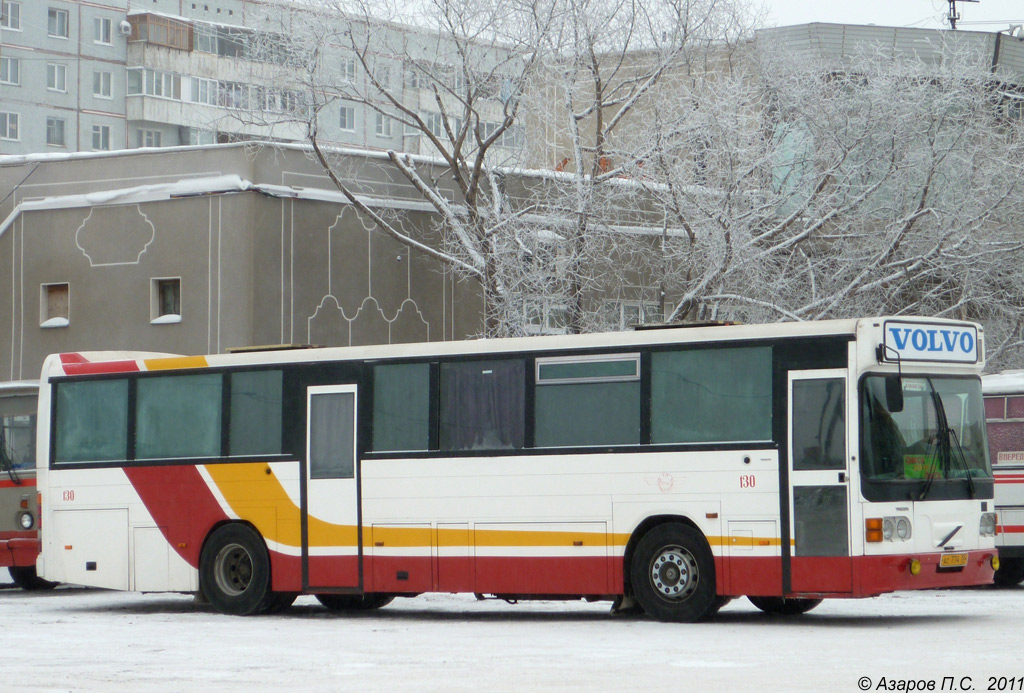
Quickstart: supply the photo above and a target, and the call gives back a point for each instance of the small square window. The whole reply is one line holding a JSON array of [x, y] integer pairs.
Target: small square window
[[55, 132], [101, 137], [10, 15], [54, 305], [347, 120], [10, 71], [165, 301], [57, 77], [102, 30]]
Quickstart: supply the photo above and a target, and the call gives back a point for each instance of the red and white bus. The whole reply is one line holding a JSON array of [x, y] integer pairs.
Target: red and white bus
[[668, 469], [19, 510], [1004, 409]]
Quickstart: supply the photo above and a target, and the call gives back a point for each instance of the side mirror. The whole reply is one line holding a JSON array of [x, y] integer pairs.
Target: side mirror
[[894, 393]]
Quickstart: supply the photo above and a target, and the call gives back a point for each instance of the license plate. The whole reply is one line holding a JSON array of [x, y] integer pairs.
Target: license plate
[[953, 560]]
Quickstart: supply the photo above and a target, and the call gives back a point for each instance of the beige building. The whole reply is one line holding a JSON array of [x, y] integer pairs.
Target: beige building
[[200, 250]]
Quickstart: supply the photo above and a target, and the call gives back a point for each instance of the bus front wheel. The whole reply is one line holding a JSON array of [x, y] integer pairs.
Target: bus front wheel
[[234, 571], [673, 574], [1010, 573], [781, 606]]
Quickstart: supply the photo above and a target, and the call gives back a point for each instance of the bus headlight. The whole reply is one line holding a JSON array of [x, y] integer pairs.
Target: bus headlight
[[26, 520], [987, 527], [888, 528], [903, 529]]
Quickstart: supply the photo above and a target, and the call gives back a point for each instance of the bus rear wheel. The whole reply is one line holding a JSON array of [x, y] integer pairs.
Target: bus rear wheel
[[781, 606], [673, 574], [354, 602], [26, 578], [234, 572]]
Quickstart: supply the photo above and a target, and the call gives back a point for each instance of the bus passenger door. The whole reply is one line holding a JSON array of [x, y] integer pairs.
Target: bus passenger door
[[819, 546], [331, 545]]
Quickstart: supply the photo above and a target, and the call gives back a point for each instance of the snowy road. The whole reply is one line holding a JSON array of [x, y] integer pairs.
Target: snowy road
[[90, 640]]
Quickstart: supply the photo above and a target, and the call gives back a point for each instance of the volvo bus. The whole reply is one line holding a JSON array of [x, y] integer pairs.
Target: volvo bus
[[1004, 410], [667, 470], [19, 511]]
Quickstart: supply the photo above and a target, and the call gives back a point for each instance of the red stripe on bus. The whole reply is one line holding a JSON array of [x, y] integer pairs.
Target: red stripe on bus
[[101, 367], [181, 504], [1009, 529], [24, 483], [72, 358]]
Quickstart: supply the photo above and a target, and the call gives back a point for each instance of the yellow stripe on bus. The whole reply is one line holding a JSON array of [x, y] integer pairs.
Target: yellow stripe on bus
[[258, 497], [176, 362]]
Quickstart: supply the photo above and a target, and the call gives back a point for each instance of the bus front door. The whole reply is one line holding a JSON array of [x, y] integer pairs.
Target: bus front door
[[331, 546], [819, 546]]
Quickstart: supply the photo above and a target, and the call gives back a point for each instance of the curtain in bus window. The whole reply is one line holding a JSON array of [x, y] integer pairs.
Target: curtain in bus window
[[482, 405], [178, 416], [91, 421], [255, 413], [401, 407], [711, 395], [331, 452]]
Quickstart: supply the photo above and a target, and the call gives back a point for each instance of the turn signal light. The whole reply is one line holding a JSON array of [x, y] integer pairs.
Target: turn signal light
[[995, 562], [873, 530], [915, 567]]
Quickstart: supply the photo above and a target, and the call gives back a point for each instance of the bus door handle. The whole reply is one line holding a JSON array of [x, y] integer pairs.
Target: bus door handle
[[842, 477]]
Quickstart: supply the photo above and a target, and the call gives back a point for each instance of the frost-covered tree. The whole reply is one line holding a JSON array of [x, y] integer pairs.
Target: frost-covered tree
[[799, 188]]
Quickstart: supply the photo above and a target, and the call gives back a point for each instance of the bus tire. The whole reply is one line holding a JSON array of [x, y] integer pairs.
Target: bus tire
[[782, 606], [26, 578], [234, 571], [673, 574], [354, 602], [1010, 573]]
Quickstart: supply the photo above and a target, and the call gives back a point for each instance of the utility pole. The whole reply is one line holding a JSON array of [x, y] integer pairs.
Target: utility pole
[[954, 16]]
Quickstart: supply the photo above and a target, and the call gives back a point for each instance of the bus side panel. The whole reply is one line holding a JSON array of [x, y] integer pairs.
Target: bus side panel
[[18, 547], [1006, 445]]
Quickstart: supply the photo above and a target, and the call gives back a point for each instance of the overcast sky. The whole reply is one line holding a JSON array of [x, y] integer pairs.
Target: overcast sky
[[986, 15]]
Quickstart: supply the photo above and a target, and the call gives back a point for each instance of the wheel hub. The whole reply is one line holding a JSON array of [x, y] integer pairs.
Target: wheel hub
[[233, 569], [674, 573]]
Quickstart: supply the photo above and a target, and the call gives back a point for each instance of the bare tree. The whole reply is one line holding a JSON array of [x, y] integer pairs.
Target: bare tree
[[443, 89]]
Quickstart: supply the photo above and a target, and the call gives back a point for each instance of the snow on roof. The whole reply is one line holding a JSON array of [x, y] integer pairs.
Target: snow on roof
[[1005, 383]]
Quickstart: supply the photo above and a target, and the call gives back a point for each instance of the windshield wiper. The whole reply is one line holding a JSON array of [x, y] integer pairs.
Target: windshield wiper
[[963, 462], [6, 464], [944, 438]]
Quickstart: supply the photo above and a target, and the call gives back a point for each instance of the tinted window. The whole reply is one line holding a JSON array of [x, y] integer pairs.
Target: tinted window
[[255, 413], [705, 395], [92, 421], [482, 405], [178, 416], [819, 424], [589, 401], [401, 407]]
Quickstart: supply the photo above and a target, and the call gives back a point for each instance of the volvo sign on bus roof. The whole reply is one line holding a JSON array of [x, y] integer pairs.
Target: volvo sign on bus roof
[[915, 341]]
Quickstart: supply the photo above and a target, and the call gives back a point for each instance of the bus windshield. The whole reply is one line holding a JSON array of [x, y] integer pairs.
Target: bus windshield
[[938, 434]]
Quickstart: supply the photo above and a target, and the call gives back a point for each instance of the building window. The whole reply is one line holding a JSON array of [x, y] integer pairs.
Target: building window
[[165, 299], [544, 316], [149, 138], [9, 126], [348, 119], [10, 15], [383, 127], [166, 84], [101, 84], [56, 77], [55, 132], [10, 71], [348, 69], [204, 91], [54, 305], [101, 137], [102, 30], [57, 23]]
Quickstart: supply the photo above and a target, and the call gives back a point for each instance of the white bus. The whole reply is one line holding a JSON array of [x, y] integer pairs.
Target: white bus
[[1004, 410], [668, 470]]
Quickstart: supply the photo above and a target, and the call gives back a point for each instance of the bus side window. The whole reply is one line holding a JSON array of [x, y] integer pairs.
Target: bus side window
[[401, 407]]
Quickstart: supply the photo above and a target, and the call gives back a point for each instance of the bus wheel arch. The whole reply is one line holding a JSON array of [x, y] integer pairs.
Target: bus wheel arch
[[27, 579], [671, 571], [234, 570]]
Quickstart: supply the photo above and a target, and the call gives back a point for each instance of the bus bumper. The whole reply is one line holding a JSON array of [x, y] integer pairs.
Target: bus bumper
[[18, 551], [878, 574]]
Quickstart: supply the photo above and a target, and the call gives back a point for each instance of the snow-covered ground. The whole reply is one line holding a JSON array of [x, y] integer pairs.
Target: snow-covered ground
[[78, 639]]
